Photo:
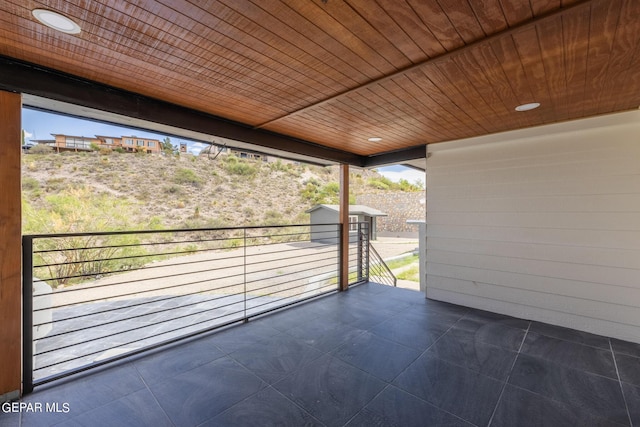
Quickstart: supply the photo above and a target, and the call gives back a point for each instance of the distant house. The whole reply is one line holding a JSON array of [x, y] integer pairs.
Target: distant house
[[131, 144], [329, 214]]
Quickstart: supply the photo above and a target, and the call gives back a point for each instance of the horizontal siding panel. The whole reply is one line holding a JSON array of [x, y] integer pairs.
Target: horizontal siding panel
[[549, 225], [615, 184], [582, 307], [559, 144], [550, 286], [556, 317], [576, 272], [521, 154], [567, 203], [522, 174], [593, 238], [622, 258], [566, 220]]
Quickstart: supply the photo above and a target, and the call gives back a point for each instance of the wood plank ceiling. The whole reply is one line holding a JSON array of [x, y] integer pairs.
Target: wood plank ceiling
[[336, 72]]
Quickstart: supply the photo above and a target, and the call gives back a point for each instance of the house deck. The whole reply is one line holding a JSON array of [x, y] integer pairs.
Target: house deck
[[374, 355]]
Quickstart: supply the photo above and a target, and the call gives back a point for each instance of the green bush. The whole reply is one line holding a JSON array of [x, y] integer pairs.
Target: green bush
[[381, 183], [185, 176], [30, 184], [82, 210], [241, 168], [40, 149]]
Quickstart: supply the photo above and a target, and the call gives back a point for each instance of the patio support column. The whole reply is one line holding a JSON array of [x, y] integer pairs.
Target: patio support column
[[10, 247], [344, 221]]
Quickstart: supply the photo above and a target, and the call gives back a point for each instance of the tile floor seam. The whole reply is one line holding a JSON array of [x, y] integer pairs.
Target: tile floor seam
[[153, 394], [573, 368], [269, 386], [369, 373], [570, 341], [426, 350], [506, 381], [445, 361], [624, 398], [565, 404], [365, 405]]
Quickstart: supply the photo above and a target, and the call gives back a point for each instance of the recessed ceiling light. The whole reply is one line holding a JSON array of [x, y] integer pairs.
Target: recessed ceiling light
[[375, 139], [56, 21], [527, 107]]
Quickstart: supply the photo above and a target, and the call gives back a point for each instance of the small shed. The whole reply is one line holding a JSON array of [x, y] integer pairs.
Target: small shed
[[330, 214]]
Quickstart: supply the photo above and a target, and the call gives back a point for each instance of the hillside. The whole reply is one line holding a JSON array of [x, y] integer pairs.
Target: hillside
[[90, 191]]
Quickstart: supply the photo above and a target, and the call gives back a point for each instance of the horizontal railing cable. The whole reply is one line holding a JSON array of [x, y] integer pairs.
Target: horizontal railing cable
[[102, 296]]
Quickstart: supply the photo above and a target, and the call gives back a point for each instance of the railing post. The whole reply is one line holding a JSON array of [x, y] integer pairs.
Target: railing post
[[340, 251], [360, 252], [344, 227], [368, 254], [244, 271], [27, 314]]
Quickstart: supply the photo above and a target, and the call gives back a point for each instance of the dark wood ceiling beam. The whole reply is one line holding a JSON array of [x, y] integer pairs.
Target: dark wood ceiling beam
[[435, 60], [21, 77]]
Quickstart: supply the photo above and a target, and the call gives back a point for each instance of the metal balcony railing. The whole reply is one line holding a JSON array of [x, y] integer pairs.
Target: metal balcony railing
[[92, 298], [379, 271]]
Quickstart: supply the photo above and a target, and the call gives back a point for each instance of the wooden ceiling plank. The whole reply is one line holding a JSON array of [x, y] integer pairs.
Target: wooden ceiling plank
[[620, 72], [490, 16], [552, 51], [354, 66], [431, 13], [306, 37], [374, 110], [354, 131], [631, 79], [138, 80], [343, 140], [484, 75], [575, 28], [176, 62], [303, 71], [330, 17], [408, 117], [474, 103], [455, 96], [272, 80], [438, 117], [516, 78], [434, 61], [405, 17], [463, 18], [516, 11], [428, 86], [208, 41], [380, 19], [605, 18], [540, 7], [432, 122], [507, 55], [528, 47]]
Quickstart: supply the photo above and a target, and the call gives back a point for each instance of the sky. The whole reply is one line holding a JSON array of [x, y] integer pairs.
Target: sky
[[41, 125]]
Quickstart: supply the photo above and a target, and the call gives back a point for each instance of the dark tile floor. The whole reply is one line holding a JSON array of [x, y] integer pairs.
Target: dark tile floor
[[372, 356]]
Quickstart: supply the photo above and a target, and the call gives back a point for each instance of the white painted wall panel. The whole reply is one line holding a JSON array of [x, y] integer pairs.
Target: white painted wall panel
[[542, 224]]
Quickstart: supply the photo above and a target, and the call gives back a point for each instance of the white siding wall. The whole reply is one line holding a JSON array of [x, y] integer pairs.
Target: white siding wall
[[542, 224]]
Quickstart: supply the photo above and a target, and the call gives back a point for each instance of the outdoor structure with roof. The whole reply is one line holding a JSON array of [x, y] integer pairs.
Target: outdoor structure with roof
[[524, 114], [329, 214]]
